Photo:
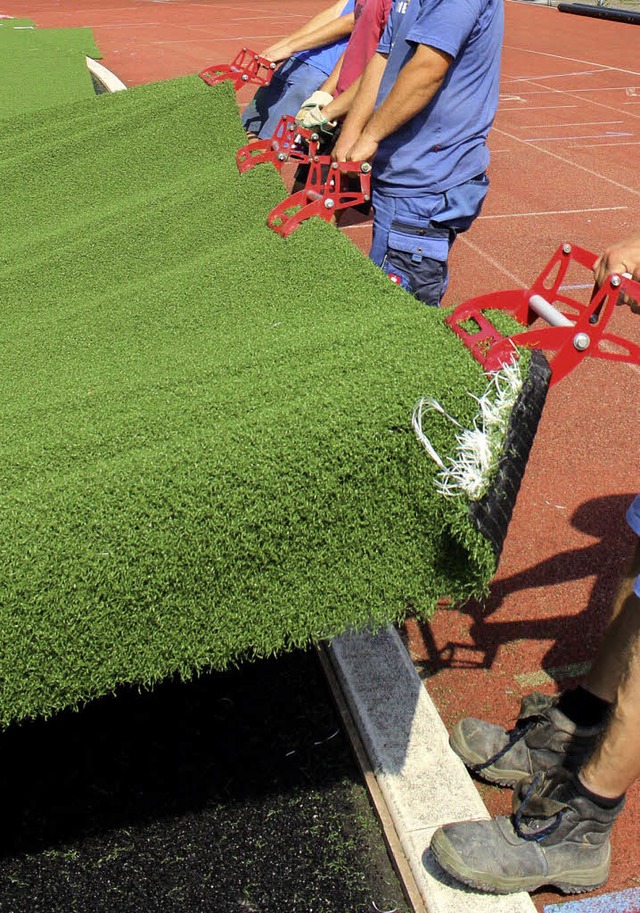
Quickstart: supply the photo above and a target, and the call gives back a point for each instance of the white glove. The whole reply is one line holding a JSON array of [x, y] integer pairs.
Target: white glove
[[310, 114]]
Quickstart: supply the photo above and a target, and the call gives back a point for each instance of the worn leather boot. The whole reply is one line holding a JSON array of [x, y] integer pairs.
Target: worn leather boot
[[556, 836], [543, 739]]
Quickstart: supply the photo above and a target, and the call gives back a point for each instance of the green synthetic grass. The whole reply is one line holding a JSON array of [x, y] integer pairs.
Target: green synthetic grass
[[17, 24], [41, 68], [207, 452]]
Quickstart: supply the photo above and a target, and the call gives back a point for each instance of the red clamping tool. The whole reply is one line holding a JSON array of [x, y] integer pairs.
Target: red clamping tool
[[246, 67], [330, 186], [569, 337], [288, 144]]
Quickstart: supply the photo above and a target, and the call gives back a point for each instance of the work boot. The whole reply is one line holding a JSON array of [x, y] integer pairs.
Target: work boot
[[543, 739], [556, 836]]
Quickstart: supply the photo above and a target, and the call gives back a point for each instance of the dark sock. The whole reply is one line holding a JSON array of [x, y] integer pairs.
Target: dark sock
[[582, 707], [600, 801]]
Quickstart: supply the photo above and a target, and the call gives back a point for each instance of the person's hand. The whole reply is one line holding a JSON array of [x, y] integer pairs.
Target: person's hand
[[363, 150], [340, 151], [277, 52], [621, 258], [311, 113]]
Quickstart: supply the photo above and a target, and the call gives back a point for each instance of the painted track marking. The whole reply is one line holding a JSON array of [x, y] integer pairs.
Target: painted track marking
[[560, 75], [563, 139], [586, 123], [495, 263], [588, 63], [571, 93], [551, 212], [565, 161]]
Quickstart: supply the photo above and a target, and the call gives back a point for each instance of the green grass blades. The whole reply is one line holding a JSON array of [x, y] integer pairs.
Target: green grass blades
[[41, 68], [207, 452]]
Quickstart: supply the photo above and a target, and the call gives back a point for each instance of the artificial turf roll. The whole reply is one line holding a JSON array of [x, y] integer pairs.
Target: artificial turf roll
[[41, 68], [207, 452]]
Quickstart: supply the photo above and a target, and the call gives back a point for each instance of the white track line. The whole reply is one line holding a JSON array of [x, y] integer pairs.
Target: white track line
[[545, 90], [559, 75], [495, 263], [503, 110], [590, 171], [597, 145], [569, 93], [584, 123], [588, 63], [552, 212], [564, 139]]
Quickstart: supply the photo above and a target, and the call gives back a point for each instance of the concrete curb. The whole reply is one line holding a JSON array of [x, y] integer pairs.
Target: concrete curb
[[108, 79], [424, 784]]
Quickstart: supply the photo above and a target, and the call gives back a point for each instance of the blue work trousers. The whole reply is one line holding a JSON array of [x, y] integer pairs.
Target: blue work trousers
[[290, 86], [412, 236]]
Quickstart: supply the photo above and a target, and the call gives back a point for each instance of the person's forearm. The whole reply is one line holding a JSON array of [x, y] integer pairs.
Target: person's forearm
[[327, 16], [415, 87], [317, 21], [329, 85], [340, 106], [326, 34], [364, 103]]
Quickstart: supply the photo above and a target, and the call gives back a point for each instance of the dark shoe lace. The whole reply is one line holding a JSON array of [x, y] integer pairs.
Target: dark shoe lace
[[533, 711], [527, 825]]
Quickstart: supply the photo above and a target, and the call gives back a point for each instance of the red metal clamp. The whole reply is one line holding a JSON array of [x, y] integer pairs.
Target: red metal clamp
[[570, 335], [329, 187], [288, 144], [246, 67]]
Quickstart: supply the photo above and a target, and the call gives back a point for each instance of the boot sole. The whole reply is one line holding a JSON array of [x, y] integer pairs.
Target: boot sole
[[507, 778], [576, 882]]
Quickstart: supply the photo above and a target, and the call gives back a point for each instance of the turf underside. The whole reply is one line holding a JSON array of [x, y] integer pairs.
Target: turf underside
[[207, 452], [41, 68]]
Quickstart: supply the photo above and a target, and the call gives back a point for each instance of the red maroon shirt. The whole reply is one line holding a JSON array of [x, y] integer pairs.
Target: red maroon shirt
[[370, 19]]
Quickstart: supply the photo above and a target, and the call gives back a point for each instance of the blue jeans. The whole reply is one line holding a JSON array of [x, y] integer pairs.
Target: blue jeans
[[289, 88], [412, 236]]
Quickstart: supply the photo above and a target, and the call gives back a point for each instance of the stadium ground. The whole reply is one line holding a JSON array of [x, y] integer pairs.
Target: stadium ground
[[564, 168]]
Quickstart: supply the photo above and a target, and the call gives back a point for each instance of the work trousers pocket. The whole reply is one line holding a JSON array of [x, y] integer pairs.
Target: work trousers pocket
[[416, 259]]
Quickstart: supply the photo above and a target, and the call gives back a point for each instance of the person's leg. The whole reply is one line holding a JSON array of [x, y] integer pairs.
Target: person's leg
[[559, 833], [615, 764], [408, 247], [563, 730], [290, 86], [622, 629]]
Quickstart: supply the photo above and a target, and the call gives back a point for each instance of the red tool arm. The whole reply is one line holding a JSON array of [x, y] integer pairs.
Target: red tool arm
[[330, 186], [289, 143], [573, 331], [246, 67]]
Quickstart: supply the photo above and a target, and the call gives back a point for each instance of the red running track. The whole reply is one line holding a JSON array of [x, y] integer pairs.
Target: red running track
[[565, 153]]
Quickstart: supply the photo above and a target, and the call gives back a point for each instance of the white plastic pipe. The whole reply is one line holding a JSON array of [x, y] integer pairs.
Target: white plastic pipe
[[547, 311]]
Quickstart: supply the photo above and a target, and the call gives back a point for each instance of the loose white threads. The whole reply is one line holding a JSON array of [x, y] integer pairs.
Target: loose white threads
[[477, 448], [425, 405]]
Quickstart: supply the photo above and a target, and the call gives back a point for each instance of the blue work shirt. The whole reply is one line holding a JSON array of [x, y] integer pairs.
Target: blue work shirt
[[326, 57], [443, 145]]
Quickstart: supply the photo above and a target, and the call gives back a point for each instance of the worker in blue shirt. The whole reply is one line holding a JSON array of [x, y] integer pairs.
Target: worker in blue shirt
[[424, 108]]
